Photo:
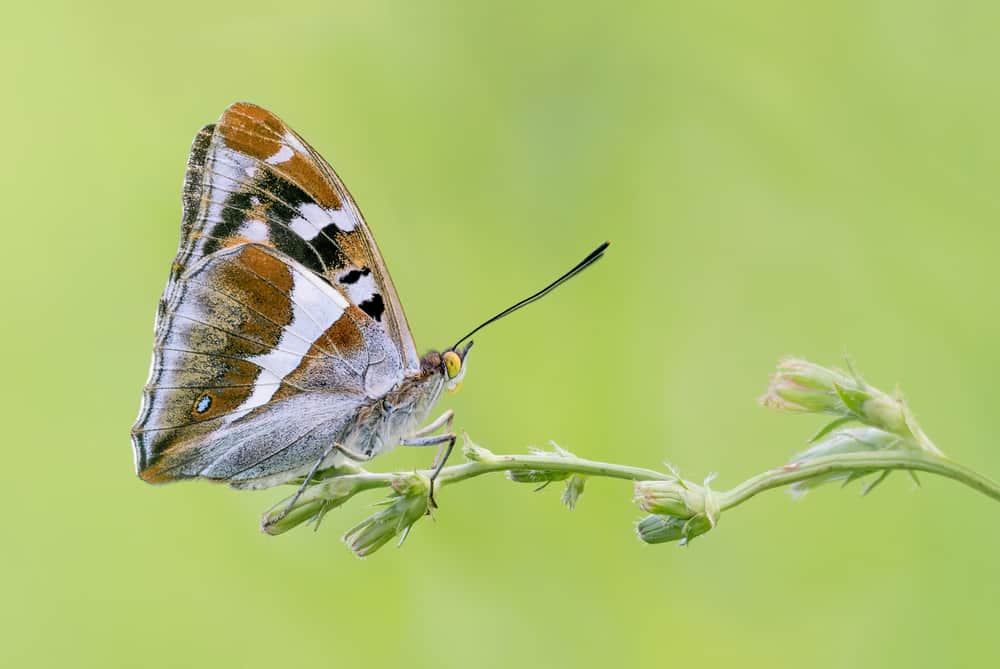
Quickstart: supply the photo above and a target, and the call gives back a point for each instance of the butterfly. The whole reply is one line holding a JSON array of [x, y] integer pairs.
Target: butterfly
[[280, 343]]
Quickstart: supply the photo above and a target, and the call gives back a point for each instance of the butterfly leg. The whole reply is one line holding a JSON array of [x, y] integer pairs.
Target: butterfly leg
[[447, 442], [357, 457], [444, 419], [440, 465], [422, 437]]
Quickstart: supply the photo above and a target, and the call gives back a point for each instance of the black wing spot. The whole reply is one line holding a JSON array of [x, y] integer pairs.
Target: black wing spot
[[328, 249], [373, 306], [355, 275]]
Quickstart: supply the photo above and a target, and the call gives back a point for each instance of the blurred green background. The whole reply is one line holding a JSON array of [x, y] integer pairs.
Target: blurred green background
[[777, 177]]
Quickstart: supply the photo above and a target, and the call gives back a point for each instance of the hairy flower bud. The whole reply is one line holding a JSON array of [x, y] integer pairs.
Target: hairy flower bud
[[320, 498], [681, 509], [677, 498], [659, 529], [845, 442], [404, 508], [803, 387], [800, 386]]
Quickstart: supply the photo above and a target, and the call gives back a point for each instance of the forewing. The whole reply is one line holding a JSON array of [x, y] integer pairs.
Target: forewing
[[258, 365], [252, 179]]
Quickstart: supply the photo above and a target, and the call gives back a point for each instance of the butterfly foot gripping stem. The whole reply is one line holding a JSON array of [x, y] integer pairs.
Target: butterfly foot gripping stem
[[447, 444], [440, 459]]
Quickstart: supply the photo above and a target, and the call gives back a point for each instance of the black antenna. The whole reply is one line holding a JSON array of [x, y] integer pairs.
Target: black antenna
[[591, 258]]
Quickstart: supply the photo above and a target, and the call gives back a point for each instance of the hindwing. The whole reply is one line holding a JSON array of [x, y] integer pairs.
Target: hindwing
[[258, 365]]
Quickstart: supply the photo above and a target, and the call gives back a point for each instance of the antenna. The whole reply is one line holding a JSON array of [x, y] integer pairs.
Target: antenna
[[591, 258]]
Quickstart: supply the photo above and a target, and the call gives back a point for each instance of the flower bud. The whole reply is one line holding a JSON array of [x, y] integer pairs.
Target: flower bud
[[312, 504], [404, 508], [800, 386], [843, 442], [672, 498], [659, 529], [891, 413], [473, 452], [850, 440], [574, 488], [411, 485]]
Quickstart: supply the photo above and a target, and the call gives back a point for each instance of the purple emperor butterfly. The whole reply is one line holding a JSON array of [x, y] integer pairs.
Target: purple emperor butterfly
[[280, 344]]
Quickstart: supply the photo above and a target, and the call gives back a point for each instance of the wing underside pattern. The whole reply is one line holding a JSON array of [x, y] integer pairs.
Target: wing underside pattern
[[251, 349], [252, 179], [279, 320]]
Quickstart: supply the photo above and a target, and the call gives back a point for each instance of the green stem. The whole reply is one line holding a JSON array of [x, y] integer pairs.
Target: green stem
[[887, 439], [339, 489], [852, 462], [548, 463]]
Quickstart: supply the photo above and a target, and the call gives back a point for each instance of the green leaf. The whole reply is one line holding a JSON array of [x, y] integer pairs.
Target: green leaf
[[852, 398], [830, 427], [871, 486]]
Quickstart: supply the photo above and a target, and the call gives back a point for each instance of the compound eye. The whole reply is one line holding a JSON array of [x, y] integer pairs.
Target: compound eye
[[452, 363]]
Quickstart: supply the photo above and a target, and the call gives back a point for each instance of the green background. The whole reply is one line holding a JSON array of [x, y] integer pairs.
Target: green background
[[777, 177]]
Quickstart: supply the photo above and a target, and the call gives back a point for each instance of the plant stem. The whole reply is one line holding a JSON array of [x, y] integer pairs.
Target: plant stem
[[340, 487], [312, 499], [548, 463], [853, 462], [886, 438]]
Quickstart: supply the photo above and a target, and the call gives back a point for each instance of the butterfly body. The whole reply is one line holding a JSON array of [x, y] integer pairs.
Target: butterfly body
[[279, 333]]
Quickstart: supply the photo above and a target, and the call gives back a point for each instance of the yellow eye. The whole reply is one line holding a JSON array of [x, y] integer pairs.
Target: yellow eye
[[455, 368], [452, 363]]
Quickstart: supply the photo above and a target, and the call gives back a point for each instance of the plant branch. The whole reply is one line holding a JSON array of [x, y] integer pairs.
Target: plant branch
[[552, 463], [850, 462], [335, 487], [887, 437], [316, 499]]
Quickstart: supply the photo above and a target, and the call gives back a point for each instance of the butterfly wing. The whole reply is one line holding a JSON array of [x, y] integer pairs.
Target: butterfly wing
[[258, 365], [251, 178], [279, 319]]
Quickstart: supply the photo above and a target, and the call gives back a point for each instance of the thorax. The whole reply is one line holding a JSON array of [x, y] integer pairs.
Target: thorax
[[381, 423]]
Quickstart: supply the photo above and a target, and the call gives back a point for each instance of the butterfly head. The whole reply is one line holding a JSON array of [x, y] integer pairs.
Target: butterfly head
[[454, 367]]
